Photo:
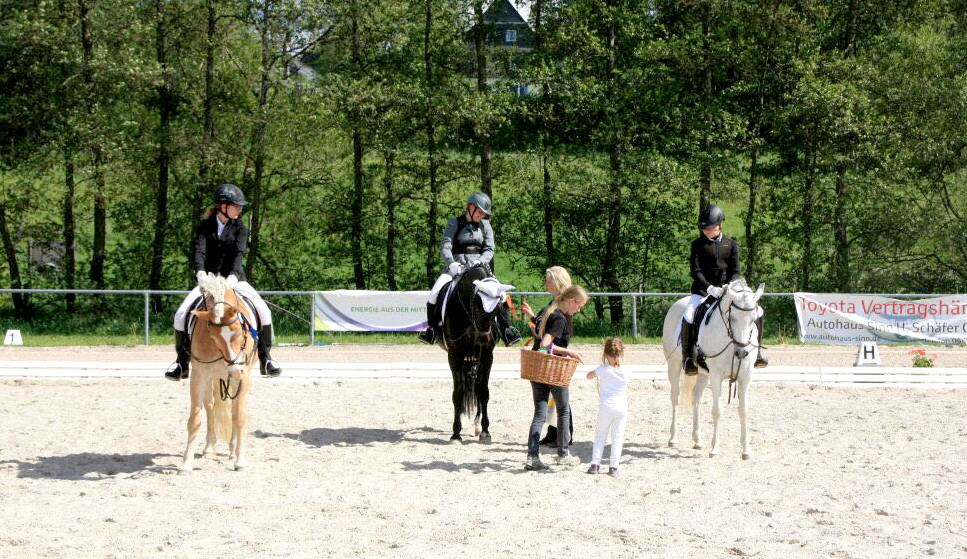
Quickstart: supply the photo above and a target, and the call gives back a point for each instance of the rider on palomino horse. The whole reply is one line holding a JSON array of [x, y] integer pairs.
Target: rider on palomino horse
[[714, 261], [220, 241], [468, 241]]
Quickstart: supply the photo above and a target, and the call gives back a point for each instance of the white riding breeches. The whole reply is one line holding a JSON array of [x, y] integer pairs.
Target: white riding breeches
[[613, 420], [435, 290], [695, 300], [242, 288]]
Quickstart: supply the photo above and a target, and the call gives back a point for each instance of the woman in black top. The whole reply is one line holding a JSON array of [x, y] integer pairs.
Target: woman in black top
[[555, 335], [713, 262], [220, 241]]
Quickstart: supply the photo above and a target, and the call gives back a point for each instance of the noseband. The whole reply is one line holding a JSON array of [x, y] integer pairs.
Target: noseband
[[726, 318], [239, 317]]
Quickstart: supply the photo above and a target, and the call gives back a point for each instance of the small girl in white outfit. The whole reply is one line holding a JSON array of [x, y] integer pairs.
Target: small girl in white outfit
[[613, 408]]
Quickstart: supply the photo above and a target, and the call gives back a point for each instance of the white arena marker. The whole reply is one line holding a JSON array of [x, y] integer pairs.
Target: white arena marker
[[868, 355], [13, 337]]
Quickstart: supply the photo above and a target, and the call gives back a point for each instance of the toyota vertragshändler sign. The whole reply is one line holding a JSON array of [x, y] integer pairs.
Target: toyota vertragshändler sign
[[832, 318]]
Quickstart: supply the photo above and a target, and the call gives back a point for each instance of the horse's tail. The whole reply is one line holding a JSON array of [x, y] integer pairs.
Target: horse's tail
[[687, 388], [223, 418], [469, 379]]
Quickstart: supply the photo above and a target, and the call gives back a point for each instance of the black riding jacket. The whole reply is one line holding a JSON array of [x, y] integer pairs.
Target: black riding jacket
[[222, 256], [713, 263]]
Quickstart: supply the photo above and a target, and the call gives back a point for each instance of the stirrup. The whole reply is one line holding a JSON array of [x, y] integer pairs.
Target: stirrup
[[177, 373], [690, 368], [428, 336], [270, 369], [511, 336], [761, 361]]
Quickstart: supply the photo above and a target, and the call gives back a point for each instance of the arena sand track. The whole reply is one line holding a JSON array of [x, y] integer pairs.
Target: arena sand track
[[364, 469]]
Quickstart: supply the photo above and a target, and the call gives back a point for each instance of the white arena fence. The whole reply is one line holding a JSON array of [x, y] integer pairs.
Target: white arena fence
[[937, 377], [908, 377], [308, 308]]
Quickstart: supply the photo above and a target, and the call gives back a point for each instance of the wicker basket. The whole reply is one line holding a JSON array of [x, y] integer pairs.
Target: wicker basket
[[546, 368]]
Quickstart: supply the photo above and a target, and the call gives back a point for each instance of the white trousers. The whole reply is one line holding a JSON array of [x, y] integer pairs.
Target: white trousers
[[695, 300], [611, 420], [242, 288], [435, 290]]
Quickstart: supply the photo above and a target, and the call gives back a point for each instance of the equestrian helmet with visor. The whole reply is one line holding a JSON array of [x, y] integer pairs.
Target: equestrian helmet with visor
[[229, 194], [482, 201], [710, 216]]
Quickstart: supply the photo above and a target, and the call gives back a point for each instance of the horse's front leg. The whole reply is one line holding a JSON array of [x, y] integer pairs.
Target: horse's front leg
[[194, 422], [674, 378], [456, 362], [743, 390], [700, 382], [716, 415], [239, 420], [483, 397]]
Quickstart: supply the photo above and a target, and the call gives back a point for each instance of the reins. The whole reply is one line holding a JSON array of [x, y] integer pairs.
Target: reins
[[726, 318], [224, 385]]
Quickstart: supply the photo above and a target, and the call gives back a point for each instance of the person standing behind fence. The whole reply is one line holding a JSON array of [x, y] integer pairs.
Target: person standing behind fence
[[613, 405], [556, 279], [219, 243], [555, 334], [713, 262]]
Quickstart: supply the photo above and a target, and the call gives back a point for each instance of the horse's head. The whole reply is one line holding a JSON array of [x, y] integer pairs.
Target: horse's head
[[740, 304], [226, 331], [475, 319]]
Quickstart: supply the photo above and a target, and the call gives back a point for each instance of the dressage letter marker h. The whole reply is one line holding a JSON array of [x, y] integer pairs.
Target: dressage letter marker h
[[868, 355]]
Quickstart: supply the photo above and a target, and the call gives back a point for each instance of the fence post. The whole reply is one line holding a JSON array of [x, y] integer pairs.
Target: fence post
[[634, 317], [312, 320], [147, 323]]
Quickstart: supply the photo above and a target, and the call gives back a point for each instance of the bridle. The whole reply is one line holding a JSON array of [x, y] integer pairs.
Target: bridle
[[246, 335], [726, 316]]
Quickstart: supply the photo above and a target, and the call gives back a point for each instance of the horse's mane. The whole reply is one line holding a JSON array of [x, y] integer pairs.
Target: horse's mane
[[214, 288]]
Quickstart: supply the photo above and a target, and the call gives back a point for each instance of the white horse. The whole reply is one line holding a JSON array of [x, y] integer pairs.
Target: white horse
[[222, 354], [728, 341]]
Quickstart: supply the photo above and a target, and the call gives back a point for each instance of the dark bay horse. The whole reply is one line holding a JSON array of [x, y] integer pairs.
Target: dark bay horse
[[470, 335]]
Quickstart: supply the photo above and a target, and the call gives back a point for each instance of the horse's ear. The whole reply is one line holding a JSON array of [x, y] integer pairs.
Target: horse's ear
[[205, 315], [759, 291]]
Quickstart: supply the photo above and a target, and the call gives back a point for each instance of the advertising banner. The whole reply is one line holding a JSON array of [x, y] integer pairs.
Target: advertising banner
[[831, 318], [347, 310]]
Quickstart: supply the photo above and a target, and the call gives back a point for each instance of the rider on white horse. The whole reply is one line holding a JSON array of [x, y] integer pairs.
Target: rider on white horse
[[714, 262], [468, 240], [219, 244]]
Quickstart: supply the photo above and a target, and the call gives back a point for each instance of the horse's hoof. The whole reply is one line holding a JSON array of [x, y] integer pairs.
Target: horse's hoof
[[697, 446], [672, 444], [184, 472], [485, 438], [746, 455], [713, 454], [240, 466], [456, 440]]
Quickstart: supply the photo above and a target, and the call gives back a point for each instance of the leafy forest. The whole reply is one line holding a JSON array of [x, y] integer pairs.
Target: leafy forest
[[834, 134]]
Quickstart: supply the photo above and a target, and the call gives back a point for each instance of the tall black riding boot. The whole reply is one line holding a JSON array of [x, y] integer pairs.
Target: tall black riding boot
[[179, 370], [761, 360], [688, 347], [508, 333], [267, 366], [429, 336]]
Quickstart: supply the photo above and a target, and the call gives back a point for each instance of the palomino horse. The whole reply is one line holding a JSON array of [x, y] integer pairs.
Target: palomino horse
[[222, 355], [470, 334], [727, 339]]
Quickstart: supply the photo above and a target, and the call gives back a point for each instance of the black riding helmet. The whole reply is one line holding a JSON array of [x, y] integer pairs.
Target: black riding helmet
[[482, 201], [229, 194], [710, 216]]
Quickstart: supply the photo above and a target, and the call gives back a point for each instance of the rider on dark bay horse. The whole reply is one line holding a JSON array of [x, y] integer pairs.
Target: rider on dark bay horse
[[468, 240], [218, 246], [713, 262]]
